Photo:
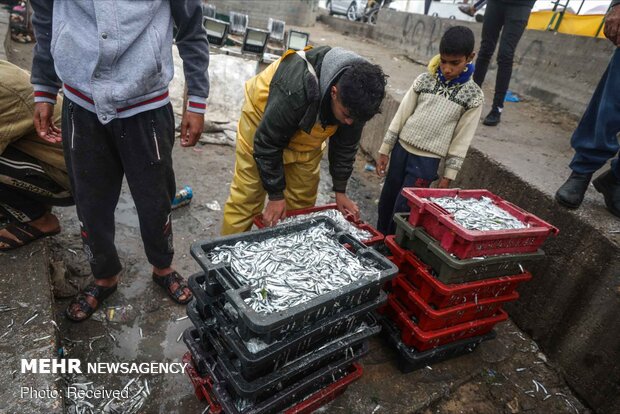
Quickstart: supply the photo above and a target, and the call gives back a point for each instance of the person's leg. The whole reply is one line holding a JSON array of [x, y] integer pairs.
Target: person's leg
[[144, 142], [491, 27], [96, 176], [420, 172], [515, 22], [247, 195], [302, 172], [391, 188], [595, 139]]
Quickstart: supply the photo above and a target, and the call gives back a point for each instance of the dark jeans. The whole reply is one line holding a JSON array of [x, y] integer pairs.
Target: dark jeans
[[98, 156], [406, 170], [596, 138], [26, 191], [510, 20]]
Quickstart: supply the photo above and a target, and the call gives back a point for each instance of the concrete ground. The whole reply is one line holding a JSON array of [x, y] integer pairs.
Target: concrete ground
[[143, 326]]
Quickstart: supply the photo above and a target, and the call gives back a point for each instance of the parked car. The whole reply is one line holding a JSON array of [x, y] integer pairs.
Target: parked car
[[353, 9]]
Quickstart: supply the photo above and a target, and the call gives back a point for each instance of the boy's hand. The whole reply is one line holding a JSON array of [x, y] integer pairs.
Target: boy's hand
[[347, 206], [191, 127], [44, 124], [612, 25], [274, 212], [382, 163], [444, 183]]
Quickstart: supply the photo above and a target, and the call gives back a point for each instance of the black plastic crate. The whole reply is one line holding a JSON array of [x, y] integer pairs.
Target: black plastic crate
[[273, 326], [294, 370], [289, 394], [410, 359], [450, 269], [205, 290], [255, 364]]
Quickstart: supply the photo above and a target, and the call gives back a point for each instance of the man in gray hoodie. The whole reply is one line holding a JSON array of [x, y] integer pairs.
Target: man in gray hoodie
[[113, 61]]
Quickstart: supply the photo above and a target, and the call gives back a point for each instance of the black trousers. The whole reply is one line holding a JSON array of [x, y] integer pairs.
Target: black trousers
[[98, 156], [26, 191], [510, 20]]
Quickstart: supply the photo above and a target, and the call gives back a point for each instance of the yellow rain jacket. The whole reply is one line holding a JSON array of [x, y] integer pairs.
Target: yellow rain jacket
[[281, 135]]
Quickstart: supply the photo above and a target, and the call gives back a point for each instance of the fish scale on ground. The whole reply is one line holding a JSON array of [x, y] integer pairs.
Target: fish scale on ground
[[289, 270]]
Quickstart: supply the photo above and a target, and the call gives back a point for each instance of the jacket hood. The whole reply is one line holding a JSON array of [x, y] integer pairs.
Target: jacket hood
[[336, 61]]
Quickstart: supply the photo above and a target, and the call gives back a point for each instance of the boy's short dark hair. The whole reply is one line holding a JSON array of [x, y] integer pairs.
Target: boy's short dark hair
[[457, 40], [362, 89]]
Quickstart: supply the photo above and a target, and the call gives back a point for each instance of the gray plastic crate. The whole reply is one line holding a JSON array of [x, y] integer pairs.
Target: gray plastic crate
[[450, 269]]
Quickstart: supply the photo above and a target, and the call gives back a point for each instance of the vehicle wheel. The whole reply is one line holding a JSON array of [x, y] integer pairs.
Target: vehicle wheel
[[352, 12], [328, 6], [372, 17]]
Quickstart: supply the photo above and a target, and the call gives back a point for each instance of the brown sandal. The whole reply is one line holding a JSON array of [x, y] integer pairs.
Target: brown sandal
[[25, 233], [168, 281], [100, 293]]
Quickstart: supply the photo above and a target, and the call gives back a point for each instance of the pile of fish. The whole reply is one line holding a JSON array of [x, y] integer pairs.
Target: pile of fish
[[291, 269], [474, 214], [336, 215]]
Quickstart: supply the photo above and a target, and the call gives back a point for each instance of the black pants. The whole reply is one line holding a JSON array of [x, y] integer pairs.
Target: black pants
[[510, 20], [405, 170], [98, 156], [26, 191]]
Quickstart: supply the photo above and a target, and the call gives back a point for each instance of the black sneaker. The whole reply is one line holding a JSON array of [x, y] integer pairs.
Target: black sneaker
[[571, 193], [493, 117], [608, 185]]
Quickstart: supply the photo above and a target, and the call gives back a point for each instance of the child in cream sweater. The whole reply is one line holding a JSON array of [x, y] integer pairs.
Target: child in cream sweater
[[436, 120]]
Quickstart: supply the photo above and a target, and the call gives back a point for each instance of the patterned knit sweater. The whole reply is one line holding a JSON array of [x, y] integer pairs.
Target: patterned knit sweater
[[436, 120]]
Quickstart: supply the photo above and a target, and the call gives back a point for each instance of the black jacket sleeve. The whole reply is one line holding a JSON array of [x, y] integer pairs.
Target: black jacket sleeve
[[614, 3], [343, 147], [283, 113], [193, 45], [43, 72]]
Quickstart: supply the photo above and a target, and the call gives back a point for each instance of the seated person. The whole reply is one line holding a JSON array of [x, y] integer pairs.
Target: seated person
[[33, 175]]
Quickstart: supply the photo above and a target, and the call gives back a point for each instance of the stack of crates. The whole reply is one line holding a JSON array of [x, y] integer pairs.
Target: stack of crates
[[452, 282], [290, 361]]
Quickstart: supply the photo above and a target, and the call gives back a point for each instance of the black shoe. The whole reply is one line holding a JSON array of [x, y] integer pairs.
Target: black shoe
[[467, 9], [493, 117], [608, 185], [571, 193]]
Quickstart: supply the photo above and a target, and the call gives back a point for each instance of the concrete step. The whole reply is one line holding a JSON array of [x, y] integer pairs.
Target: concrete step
[[27, 331]]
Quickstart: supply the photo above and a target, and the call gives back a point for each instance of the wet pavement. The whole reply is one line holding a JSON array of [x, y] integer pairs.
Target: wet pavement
[[140, 323]]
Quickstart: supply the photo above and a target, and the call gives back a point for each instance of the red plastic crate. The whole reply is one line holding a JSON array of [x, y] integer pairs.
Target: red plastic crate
[[376, 237], [442, 295], [429, 319], [203, 386], [327, 394], [464, 243], [421, 340]]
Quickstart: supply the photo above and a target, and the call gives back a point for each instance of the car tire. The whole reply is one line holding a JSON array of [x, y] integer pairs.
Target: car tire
[[328, 6], [352, 12]]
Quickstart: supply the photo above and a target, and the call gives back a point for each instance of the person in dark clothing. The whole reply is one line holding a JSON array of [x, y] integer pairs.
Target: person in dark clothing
[[596, 139], [114, 62], [33, 174], [508, 18]]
